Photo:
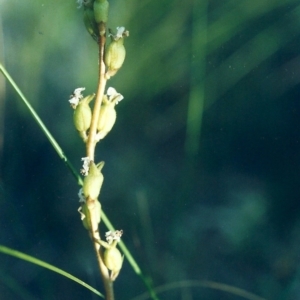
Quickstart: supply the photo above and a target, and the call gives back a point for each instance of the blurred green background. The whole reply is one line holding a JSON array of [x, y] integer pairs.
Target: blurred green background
[[202, 165]]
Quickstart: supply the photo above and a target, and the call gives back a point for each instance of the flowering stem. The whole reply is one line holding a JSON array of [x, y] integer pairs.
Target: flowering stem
[[91, 142], [90, 149]]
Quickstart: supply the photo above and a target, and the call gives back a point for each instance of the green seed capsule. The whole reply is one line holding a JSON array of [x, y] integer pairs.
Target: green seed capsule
[[113, 261], [101, 11], [107, 118], [93, 181], [114, 56], [83, 115]]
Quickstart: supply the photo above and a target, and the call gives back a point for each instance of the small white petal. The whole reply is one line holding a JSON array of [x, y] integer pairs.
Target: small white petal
[[118, 98], [85, 166], [77, 92], [74, 101], [111, 91], [116, 235], [76, 96], [81, 196], [86, 160], [120, 31], [113, 95]]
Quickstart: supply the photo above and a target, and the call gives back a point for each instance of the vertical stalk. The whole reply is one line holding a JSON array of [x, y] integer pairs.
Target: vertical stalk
[[91, 142], [90, 150]]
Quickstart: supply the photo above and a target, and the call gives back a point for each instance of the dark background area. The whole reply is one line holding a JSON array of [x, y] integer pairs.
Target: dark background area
[[228, 211]]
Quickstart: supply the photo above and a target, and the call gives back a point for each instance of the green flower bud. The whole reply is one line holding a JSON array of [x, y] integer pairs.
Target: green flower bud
[[107, 118], [114, 57], [93, 181], [108, 115], [83, 115], [90, 23], [112, 257], [113, 261], [115, 52], [101, 11]]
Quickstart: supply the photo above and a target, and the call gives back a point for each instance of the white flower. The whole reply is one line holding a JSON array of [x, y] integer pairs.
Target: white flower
[[116, 235], [77, 92], [81, 196], [120, 31], [113, 95], [76, 96], [86, 166], [74, 102]]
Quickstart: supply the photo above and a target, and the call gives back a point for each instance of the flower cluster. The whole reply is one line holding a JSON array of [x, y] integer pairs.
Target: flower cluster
[[75, 97], [113, 235]]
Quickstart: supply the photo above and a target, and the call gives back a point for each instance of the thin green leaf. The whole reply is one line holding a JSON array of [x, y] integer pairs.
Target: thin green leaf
[[40, 263], [51, 139]]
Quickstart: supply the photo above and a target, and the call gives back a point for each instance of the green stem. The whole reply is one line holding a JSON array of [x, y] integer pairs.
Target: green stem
[[91, 142], [51, 139], [45, 265], [90, 152]]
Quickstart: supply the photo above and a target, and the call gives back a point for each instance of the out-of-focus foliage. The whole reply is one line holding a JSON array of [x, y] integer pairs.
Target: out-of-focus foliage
[[231, 216]]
